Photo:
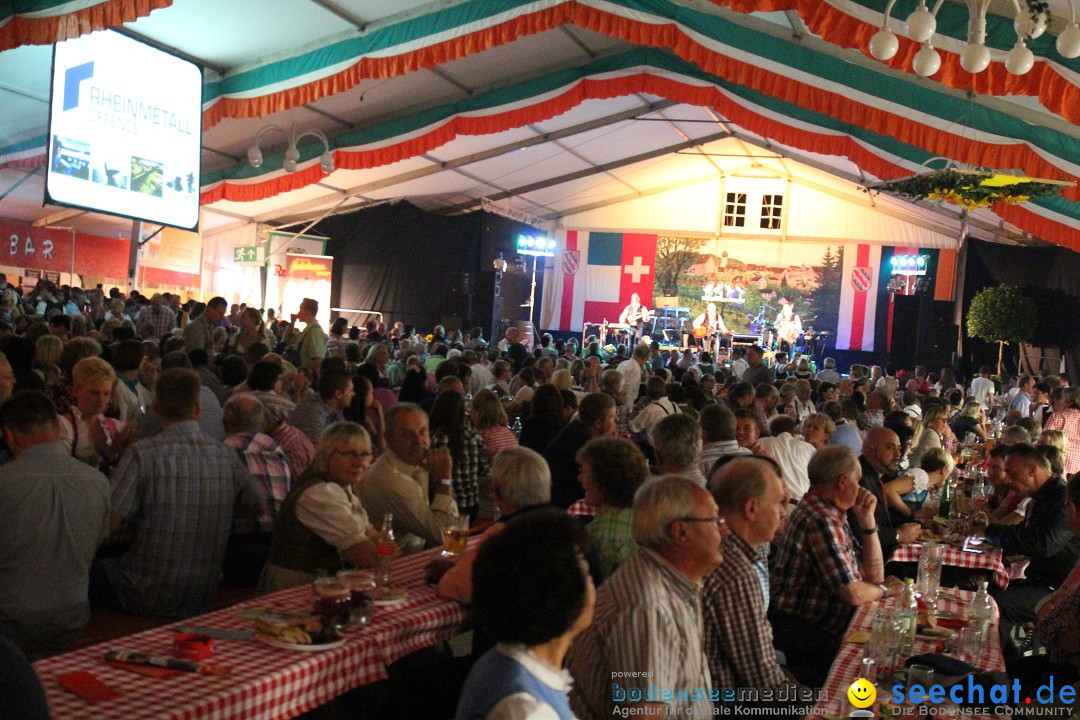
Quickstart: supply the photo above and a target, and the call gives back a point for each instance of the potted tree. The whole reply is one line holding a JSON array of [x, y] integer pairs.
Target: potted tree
[[1001, 314]]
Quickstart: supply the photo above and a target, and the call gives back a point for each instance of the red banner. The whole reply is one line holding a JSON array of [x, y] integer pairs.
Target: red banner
[[36, 248]]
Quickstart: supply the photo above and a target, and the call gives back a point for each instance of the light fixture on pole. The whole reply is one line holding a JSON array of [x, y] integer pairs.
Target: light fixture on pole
[[292, 153], [1032, 20], [537, 247]]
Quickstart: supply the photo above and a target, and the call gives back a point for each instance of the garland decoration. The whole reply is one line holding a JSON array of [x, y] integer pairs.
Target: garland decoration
[[970, 189]]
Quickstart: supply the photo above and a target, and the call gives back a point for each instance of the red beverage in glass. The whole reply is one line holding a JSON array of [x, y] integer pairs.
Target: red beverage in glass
[[332, 601]]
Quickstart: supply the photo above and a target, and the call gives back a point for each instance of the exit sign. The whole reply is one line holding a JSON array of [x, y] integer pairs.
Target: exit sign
[[246, 255]]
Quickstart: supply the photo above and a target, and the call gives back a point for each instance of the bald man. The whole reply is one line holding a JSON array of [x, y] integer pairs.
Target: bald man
[[880, 462]]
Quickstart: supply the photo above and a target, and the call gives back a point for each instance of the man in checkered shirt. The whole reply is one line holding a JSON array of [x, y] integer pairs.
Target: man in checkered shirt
[[738, 639], [180, 489], [817, 577]]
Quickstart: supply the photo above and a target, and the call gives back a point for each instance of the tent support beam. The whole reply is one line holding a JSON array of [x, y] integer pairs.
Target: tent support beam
[[284, 213], [606, 167]]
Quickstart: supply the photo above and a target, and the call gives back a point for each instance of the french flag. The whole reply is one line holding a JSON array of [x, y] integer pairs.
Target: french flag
[[593, 275], [858, 298]]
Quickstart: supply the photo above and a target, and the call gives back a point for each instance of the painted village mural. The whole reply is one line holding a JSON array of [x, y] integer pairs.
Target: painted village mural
[[747, 280]]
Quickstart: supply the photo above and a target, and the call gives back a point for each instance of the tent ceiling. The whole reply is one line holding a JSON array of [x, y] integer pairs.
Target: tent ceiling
[[590, 152]]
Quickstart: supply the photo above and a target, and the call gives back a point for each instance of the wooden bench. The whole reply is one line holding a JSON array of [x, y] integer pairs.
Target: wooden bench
[[106, 625]]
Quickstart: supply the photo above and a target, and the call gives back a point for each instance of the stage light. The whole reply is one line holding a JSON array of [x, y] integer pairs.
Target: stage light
[[536, 246], [892, 261], [921, 261]]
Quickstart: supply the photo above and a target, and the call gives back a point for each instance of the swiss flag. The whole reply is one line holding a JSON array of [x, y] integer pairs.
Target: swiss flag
[[637, 270]]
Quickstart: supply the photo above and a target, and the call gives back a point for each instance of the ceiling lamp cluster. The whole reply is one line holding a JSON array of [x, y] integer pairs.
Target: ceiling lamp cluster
[[1032, 18], [292, 154]]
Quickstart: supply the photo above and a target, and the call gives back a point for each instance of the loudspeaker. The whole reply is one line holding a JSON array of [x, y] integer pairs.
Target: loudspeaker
[[937, 335], [905, 330]]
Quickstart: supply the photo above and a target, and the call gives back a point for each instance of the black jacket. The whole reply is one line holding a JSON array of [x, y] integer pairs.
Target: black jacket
[[1044, 536], [886, 529]]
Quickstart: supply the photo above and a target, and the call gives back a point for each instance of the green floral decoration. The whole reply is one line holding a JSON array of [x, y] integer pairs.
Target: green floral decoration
[[969, 189]]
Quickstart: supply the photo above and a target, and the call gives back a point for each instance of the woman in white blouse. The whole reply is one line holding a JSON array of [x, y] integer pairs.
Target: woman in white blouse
[[322, 525]]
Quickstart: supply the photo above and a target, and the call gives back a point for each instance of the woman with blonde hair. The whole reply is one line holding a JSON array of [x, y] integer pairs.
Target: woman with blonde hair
[[907, 494], [934, 422], [321, 525], [491, 422], [47, 351], [88, 434], [817, 429], [970, 419]]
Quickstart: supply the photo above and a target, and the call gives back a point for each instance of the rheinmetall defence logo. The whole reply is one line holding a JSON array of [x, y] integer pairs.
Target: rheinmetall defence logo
[[73, 78]]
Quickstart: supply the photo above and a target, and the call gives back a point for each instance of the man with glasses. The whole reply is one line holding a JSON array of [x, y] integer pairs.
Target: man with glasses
[[738, 638], [643, 650], [398, 481], [818, 576]]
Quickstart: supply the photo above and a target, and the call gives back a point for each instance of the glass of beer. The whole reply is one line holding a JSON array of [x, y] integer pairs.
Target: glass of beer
[[331, 601], [455, 537], [361, 586]]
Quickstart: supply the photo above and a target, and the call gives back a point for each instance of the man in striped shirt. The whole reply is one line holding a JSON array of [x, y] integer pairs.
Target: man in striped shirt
[[643, 651]]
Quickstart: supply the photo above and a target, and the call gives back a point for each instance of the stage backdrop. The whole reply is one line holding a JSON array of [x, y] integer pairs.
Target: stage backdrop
[[840, 289]]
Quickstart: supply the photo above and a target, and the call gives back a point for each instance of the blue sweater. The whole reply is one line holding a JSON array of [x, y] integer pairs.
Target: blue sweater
[[496, 676]]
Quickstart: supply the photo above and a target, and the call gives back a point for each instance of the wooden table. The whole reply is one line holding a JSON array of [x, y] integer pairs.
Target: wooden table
[[265, 682]]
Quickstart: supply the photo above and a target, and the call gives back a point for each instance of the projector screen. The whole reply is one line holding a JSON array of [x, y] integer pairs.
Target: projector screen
[[125, 130]]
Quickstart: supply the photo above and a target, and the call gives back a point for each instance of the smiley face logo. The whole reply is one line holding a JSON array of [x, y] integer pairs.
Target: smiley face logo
[[862, 693]]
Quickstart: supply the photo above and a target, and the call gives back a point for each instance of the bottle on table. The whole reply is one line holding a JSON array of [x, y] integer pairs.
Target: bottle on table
[[981, 612], [945, 504], [907, 613], [385, 549]]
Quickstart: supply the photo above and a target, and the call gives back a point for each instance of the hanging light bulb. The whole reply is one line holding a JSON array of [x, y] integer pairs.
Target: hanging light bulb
[[884, 45], [326, 162], [291, 156], [975, 58], [1068, 42], [1020, 59], [921, 24], [927, 61]]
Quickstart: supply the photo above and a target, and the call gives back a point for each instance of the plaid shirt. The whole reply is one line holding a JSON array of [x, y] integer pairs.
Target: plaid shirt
[[179, 488], [267, 463], [473, 464], [1068, 422], [298, 449], [612, 532], [498, 438], [738, 638], [814, 559], [163, 321]]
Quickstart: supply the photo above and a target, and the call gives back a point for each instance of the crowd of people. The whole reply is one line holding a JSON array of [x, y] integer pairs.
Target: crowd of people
[[657, 524]]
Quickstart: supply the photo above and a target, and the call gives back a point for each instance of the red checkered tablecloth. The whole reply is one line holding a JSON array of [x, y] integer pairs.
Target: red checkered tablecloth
[[989, 561], [265, 682], [848, 662]]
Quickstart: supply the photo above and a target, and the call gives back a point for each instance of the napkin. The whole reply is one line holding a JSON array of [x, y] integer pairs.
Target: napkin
[[86, 685]]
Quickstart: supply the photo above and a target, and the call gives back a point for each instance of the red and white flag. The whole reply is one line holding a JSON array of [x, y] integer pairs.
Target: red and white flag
[[593, 275], [858, 298]]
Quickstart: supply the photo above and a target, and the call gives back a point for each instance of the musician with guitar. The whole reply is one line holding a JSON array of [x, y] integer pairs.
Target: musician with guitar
[[788, 327], [633, 318], [708, 329]]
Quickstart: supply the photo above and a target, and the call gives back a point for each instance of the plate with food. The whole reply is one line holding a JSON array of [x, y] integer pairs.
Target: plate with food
[[310, 633], [390, 596]]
